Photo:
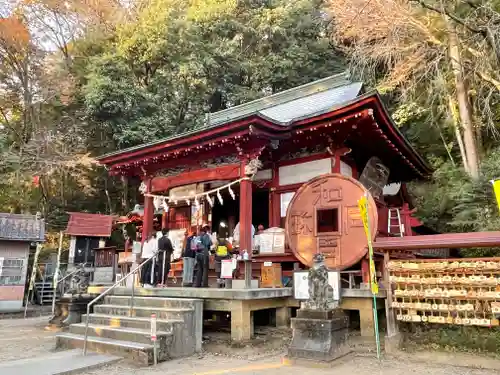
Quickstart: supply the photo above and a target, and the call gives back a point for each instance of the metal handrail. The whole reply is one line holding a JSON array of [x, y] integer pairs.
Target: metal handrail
[[105, 293]]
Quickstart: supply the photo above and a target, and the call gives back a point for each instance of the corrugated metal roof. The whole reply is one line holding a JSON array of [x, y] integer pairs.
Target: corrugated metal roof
[[242, 111], [89, 225], [306, 106], [271, 101], [15, 227]]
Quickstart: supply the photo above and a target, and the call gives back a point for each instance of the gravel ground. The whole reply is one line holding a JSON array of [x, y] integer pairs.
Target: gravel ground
[[20, 338], [27, 338]]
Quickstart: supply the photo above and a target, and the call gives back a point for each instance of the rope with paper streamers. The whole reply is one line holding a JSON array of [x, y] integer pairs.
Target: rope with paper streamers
[[162, 201]]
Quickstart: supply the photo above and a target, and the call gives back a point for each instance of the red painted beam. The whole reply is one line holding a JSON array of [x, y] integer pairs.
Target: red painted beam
[[439, 241], [225, 172]]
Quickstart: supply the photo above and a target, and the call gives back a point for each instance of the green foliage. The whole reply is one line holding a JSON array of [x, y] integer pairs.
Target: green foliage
[[463, 338], [180, 60], [452, 202]]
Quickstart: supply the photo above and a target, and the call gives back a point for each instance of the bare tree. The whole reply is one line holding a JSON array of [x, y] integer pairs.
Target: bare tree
[[426, 52]]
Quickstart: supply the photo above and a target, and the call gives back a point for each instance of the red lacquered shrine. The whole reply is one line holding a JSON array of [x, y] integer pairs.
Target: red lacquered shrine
[[269, 148]]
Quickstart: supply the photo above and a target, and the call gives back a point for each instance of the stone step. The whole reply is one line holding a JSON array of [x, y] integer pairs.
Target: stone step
[[151, 301], [141, 354], [58, 363], [142, 336], [161, 313], [131, 321]]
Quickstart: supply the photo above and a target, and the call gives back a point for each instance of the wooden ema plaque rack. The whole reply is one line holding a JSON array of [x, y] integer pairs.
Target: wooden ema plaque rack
[[455, 291]]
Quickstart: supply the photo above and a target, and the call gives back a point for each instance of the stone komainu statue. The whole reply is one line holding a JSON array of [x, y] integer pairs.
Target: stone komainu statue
[[79, 281], [320, 291]]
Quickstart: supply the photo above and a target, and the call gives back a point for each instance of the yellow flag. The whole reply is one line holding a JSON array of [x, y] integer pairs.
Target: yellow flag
[[363, 209], [496, 189]]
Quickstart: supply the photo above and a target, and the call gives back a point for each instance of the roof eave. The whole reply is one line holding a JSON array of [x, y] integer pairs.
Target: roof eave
[[424, 167]]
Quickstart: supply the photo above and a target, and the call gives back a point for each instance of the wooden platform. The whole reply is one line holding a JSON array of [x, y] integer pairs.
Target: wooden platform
[[241, 304]]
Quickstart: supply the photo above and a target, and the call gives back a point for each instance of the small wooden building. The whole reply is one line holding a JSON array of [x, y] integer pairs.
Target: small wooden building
[[89, 232], [18, 233]]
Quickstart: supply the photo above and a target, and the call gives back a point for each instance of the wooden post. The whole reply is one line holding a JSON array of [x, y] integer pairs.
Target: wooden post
[[246, 224], [149, 211], [365, 270], [392, 327], [246, 215], [164, 220]]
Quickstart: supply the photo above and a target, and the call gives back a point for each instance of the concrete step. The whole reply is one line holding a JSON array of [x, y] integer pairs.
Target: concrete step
[[142, 336], [151, 302], [141, 354], [59, 363], [161, 313], [131, 322]]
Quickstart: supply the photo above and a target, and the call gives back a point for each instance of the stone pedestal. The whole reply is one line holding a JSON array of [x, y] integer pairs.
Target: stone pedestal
[[319, 335], [69, 310]]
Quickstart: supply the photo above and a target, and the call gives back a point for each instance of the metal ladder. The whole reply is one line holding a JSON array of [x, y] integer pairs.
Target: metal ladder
[[394, 221]]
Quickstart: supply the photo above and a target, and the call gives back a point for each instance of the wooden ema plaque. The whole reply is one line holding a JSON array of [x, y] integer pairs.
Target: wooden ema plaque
[[323, 217], [452, 291], [270, 275]]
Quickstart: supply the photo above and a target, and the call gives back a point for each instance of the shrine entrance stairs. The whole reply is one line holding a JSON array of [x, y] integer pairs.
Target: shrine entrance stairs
[[116, 328]]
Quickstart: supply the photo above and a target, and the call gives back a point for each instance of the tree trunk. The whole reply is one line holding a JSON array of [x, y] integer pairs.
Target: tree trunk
[[464, 107], [125, 194], [458, 134]]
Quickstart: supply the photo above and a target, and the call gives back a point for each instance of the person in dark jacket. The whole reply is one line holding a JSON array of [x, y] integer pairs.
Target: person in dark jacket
[[188, 261], [204, 243], [165, 250]]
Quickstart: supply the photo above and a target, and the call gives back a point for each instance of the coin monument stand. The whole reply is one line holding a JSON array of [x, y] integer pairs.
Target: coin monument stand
[[321, 327]]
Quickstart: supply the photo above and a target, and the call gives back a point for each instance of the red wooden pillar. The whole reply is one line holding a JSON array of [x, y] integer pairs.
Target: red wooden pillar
[[245, 213], [164, 220], [275, 200], [149, 210], [365, 270]]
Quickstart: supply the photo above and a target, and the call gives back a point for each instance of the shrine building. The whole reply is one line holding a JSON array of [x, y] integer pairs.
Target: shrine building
[[247, 162]]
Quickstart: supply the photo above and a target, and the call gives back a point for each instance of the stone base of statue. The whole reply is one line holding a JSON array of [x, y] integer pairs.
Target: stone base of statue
[[68, 310], [319, 335]]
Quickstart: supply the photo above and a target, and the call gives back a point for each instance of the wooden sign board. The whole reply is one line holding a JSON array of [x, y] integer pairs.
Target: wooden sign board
[[270, 275], [126, 257]]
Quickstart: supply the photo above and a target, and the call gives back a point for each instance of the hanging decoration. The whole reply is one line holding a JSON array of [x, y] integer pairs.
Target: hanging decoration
[[231, 192], [157, 202], [165, 205], [162, 201], [210, 200]]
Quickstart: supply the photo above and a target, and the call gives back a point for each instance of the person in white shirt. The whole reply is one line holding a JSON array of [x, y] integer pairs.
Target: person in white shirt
[[149, 272], [236, 235]]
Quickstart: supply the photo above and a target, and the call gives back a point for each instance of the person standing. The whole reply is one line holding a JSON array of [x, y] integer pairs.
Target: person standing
[[148, 271], [188, 260], [223, 251], [203, 245], [165, 250]]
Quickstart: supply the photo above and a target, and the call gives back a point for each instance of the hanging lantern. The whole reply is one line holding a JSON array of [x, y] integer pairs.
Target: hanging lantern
[[210, 201], [165, 205], [188, 202], [231, 192], [219, 197]]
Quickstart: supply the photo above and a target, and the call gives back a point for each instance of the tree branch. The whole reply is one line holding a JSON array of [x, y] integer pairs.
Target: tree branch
[[445, 12], [485, 31]]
